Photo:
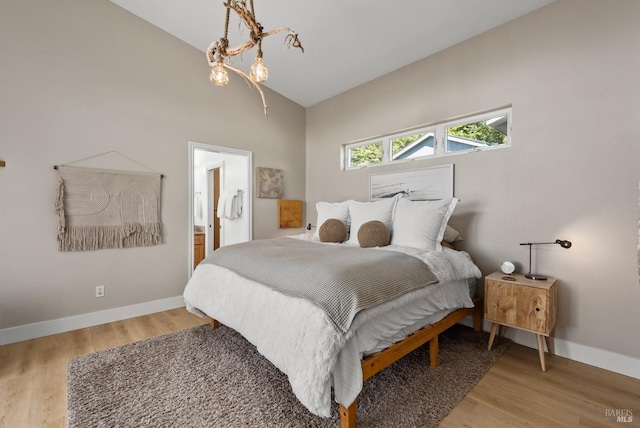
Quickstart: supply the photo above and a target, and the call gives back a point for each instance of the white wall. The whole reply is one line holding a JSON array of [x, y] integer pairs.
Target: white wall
[[81, 78], [570, 71]]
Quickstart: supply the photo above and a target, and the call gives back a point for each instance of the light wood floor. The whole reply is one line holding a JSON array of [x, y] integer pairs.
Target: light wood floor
[[514, 392]]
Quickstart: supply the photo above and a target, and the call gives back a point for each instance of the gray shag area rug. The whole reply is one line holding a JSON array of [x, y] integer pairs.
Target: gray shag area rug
[[204, 377]]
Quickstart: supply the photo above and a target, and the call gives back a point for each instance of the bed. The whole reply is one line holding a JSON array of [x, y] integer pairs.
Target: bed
[[280, 296]]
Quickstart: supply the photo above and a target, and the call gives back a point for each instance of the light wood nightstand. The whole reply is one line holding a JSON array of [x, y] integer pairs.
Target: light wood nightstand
[[520, 302]]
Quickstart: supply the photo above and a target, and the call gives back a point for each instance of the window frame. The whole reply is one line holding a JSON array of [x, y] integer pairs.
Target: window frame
[[439, 130]]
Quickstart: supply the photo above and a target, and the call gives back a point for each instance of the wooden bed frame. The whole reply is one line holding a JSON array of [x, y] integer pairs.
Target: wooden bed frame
[[377, 362]]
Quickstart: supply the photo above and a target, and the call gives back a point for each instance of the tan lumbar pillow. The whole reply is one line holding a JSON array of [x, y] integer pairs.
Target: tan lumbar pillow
[[332, 230], [373, 234]]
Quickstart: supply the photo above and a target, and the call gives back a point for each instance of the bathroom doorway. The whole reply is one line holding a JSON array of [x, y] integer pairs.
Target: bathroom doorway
[[230, 171]]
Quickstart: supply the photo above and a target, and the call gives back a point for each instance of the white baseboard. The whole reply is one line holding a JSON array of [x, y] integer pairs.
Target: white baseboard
[[607, 360], [61, 325]]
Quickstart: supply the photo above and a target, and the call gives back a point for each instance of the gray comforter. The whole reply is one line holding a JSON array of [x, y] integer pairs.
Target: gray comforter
[[339, 279]]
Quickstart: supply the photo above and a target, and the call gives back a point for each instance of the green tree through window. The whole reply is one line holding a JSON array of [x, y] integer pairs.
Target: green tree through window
[[366, 155], [479, 131]]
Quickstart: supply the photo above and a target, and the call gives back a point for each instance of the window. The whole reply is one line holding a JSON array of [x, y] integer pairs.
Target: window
[[413, 146], [365, 154], [472, 133], [478, 133]]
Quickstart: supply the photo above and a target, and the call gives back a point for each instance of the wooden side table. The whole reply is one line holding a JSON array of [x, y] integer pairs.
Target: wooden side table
[[520, 302]]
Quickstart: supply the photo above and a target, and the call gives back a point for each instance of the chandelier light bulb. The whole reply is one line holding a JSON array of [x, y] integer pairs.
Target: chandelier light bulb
[[259, 72], [219, 76]]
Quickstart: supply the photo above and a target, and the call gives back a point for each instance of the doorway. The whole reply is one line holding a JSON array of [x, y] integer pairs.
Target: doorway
[[226, 169]]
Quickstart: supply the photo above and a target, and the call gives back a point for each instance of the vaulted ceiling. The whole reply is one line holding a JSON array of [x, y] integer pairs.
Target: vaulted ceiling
[[346, 42]]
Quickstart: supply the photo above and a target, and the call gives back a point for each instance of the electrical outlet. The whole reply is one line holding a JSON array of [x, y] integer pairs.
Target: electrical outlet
[[100, 291]]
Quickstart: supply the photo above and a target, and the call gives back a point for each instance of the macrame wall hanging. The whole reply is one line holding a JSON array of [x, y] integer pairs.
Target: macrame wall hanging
[[101, 208]]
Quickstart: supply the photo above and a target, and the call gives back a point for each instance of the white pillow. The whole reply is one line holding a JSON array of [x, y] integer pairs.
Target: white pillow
[[362, 212], [337, 210], [421, 224]]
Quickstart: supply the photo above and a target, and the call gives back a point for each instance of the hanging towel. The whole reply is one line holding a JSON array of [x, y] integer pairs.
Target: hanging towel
[[198, 205], [239, 202], [222, 202], [231, 205]]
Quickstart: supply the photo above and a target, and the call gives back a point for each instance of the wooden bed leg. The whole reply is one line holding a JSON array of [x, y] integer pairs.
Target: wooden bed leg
[[433, 352], [348, 415], [477, 317], [215, 323]]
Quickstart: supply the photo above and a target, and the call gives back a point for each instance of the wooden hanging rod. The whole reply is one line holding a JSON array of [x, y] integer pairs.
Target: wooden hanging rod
[[2, 163], [56, 167]]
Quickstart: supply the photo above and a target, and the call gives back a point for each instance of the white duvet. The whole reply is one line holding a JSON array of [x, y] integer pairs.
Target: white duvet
[[299, 338]]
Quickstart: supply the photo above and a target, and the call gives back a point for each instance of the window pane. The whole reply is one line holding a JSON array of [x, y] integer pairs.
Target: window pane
[[476, 135], [412, 146], [365, 155]]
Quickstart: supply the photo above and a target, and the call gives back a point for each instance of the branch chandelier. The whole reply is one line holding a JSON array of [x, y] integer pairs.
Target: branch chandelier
[[219, 54]]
